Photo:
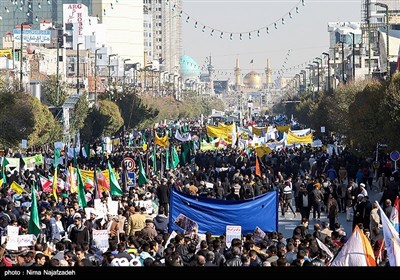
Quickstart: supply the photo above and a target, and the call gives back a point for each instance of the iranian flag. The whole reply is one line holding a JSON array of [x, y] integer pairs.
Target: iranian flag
[[46, 184]]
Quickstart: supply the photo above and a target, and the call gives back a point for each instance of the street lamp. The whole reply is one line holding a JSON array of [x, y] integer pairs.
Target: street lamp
[[77, 68], [353, 56], [95, 76], [123, 82], [342, 43], [109, 68], [317, 62], [382, 5], [20, 59], [329, 71]]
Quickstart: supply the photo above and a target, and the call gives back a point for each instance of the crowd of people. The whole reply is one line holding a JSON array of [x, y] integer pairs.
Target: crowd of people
[[308, 181]]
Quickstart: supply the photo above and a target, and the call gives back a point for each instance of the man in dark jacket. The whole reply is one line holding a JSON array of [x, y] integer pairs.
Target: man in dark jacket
[[161, 222], [163, 196], [79, 233]]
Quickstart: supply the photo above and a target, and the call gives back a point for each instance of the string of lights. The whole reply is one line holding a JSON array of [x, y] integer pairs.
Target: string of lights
[[238, 34]]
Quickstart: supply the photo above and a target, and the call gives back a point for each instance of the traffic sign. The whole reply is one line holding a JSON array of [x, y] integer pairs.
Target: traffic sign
[[129, 163], [395, 155]]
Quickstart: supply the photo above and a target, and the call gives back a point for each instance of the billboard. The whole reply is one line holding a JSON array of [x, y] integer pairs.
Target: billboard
[[33, 36]]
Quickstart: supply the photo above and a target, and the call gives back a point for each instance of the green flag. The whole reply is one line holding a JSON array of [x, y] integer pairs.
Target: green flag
[[75, 162], [87, 150], [81, 190], [144, 138], [56, 157], [175, 158], [142, 174], [34, 226], [3, 169], [115, 188]]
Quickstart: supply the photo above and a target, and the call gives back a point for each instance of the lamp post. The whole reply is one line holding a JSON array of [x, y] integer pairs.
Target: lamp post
[[342, 42], [109, 68], [77, 68], [304, 73], [353, 56], [329, 71], [95, 76], [123, 82], [385, 6], [20, 59], [317, 62]]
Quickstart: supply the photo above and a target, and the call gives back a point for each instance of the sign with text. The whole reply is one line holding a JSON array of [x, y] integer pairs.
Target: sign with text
[[33, 36], [231, 233]]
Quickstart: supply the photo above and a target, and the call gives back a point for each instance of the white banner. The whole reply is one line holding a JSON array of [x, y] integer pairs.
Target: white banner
[[100, 239]]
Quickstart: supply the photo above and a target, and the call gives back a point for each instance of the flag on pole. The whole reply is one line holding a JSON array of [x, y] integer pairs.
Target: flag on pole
[[56, 157], [97, 194], [81, 190], [167, 161], [115, 188], [174, 158], [34, 226], [258, 170], [55, 184], [394, 215], [102, 181], [46, 184], [17, 188], [357, 251], [391, 238], [89, 184], [154, 158], [142, 174], [3, 169], [72, 179]]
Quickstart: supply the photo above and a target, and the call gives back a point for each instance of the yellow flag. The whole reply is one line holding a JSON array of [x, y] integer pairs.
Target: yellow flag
[[1, 183], [55, 184], [263, 150], [163, 141], [16, 188], [283, 128]]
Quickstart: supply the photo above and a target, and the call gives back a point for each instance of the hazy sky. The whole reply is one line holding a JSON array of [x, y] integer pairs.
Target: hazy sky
[[305, 34]]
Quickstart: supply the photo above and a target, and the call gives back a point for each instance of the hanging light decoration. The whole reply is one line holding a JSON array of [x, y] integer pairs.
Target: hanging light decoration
[[187, 19], [221, 35], [195, 24], [39, 6], [297, 10], [111, 4], [240, 36], [36, 18], [258, 33], [283, 21], [267, 30], [276, 27], [212, 32], [204, 28], [7, 10], [290, 15], [104, 11], [302, 2], [48, 2], [249, 35], [180, 13], [173, 7], [231, 36]]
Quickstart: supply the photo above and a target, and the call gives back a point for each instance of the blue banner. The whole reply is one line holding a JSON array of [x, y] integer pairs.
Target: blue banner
[[214, 215]]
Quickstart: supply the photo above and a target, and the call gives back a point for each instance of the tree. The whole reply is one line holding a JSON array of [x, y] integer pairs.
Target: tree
[[49, 90], [133, 110], [80, 113], [106, 120], [24, 117]]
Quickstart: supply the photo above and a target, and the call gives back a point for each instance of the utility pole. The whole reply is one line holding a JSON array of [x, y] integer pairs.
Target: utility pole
[[20, 59]]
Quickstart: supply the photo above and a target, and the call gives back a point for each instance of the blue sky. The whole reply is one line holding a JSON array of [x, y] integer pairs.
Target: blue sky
[[300, 39]]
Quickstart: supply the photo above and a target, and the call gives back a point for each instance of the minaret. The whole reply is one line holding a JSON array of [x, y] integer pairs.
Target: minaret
[[267, 75], [237, 74]]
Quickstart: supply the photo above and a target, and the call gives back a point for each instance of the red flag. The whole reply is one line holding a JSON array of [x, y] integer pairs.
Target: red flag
[[258, 171], [46, 184], [102, 182], [96, 191]]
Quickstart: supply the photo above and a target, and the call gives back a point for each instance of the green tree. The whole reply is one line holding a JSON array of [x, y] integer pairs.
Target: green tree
[[24, 117], [133, 111], [49, 90], [80, 113], [390, 114], [106, 120]]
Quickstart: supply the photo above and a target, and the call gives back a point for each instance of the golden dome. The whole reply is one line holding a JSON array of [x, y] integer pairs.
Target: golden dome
[[252, 80]]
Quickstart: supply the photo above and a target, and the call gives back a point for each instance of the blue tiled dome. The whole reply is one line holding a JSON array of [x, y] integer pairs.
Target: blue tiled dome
[[189, 68]]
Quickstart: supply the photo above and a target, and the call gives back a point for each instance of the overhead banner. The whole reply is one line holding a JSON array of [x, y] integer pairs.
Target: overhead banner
[[214, 215], [294, 139]]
